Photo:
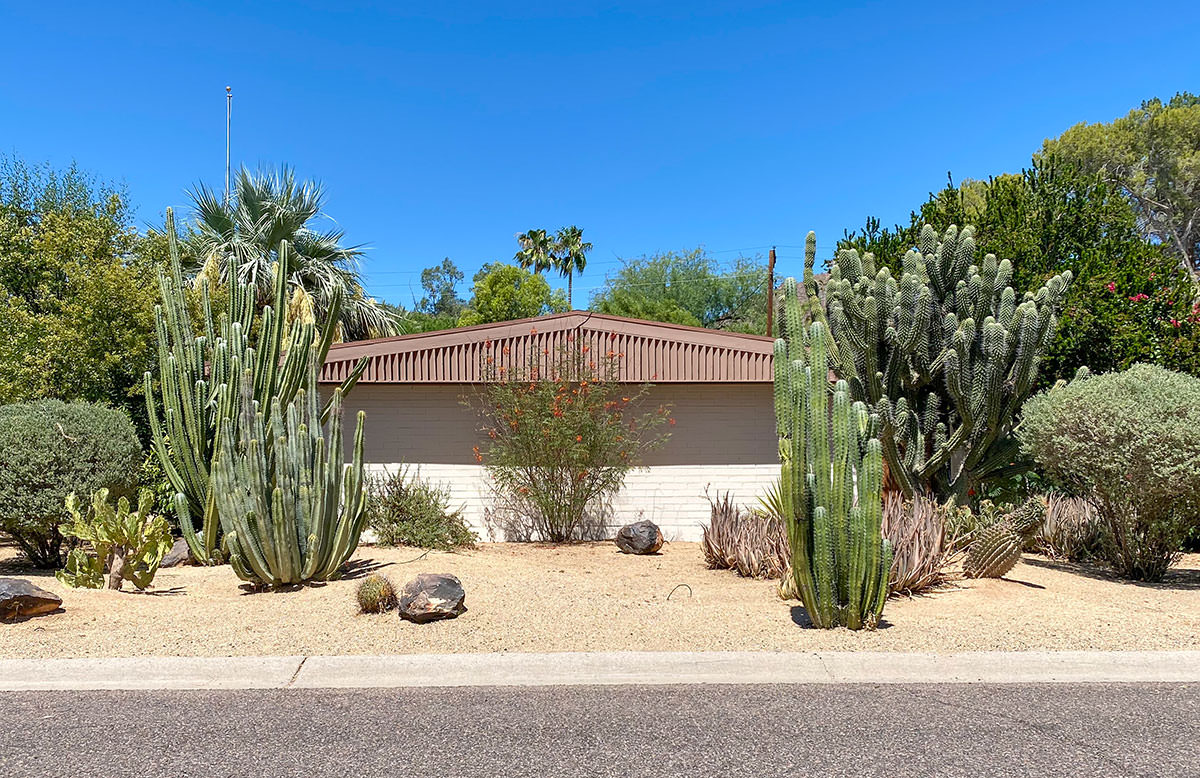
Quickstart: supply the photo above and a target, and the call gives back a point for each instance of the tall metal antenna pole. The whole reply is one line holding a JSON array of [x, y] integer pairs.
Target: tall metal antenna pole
[[228, 118]]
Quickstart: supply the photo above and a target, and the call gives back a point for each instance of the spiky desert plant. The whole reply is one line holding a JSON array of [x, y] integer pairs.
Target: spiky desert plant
[[916, 529], [830, 482], [236, 345], [752, 543], [376, 594], [945, 356], [131, 544], [994, 547], [291, 509], [1072, 529]]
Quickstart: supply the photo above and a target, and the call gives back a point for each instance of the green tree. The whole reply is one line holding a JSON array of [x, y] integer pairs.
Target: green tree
[[268, 207], [1129, 302], [503, 292], [440, 284], [565, 253], [77, 290], [1153, 155], [689, 288]]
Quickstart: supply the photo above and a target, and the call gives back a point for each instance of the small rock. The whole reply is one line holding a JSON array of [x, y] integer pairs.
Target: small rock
[[20, 599], [641, 537], [432, 596], [178, 555]]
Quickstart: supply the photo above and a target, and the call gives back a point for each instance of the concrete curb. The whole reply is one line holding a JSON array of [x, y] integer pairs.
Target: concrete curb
[[605, 668]]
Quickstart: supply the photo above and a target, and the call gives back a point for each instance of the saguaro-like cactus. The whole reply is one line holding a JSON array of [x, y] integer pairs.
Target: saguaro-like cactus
[[945, 356], [290, 508], [831, 477], [194, 364]]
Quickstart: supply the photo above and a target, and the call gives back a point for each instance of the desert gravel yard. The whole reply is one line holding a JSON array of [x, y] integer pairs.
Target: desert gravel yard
[[591, 598]]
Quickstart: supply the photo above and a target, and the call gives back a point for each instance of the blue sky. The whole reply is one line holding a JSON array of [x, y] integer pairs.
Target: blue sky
[[442, 129]]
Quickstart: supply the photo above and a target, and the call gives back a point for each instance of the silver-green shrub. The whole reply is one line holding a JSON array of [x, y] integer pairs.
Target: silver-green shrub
[[1131, 442]]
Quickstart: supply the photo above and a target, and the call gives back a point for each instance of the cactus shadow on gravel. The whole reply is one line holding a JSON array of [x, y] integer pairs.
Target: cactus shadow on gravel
[[800, 618]]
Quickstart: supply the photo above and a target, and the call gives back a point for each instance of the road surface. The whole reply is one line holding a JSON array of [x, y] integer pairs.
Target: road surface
[[695, 730]]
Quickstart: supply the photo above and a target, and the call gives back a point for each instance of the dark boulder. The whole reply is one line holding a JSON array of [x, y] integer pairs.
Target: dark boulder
[[432, 596], [20, 600], [641, 537], [179, 554]]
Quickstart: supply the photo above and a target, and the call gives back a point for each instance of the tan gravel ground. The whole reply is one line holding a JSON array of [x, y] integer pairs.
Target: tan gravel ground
[[591, 598]]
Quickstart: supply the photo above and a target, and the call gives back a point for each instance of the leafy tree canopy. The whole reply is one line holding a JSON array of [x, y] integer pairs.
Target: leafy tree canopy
[[1153, 155], [689, 288], [503, 292], [440, 284], [77, 289]]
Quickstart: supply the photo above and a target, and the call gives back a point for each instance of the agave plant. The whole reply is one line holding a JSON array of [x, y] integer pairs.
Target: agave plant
[[264, 209]]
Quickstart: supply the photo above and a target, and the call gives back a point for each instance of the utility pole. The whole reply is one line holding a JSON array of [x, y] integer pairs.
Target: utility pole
[[770, 292], [228, 118]]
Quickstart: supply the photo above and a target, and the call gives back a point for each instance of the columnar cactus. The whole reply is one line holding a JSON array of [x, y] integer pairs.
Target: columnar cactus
[[193, 364], [830, 483], [291, 509], [945, 356]]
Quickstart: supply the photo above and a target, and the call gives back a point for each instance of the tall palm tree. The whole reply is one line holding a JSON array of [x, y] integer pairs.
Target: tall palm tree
[[265, 208], [570, 256], [537, 250]]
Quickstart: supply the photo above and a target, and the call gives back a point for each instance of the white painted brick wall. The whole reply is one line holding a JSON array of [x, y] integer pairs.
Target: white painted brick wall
[[672, 496]]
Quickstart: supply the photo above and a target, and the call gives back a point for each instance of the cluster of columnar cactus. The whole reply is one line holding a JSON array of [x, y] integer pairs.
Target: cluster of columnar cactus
[[995, 548], [237, 346], [291, 509], [945, 356], [131, 544], [830, 483]]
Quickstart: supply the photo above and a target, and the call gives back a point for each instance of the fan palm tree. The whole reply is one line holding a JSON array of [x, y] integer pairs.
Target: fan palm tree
[[265, 208], [570, 256], [565, 252], [537, 250]]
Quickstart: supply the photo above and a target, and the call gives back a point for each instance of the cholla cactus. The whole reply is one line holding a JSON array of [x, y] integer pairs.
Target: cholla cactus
[[945, 356], [831, 474], [194, 364], [131, 544], [291, 509]]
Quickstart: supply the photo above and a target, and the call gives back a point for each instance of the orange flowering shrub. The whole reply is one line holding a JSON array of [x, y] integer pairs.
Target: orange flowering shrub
[[562, 432]]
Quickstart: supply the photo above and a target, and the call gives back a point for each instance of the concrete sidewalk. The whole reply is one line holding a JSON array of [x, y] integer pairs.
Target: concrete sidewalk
[[604, 669]]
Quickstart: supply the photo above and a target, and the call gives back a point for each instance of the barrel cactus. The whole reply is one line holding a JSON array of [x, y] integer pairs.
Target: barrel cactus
[[291, 509], [830, 483], [995, 547], [945, 356], [194, 363], [376, 594]]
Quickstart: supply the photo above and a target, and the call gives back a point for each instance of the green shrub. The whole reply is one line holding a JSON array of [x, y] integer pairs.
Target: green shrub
[[404, 510], [49, 449], [1129, 442]]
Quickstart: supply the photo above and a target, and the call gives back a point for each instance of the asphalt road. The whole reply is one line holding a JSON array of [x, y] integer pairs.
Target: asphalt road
[[727, 731]]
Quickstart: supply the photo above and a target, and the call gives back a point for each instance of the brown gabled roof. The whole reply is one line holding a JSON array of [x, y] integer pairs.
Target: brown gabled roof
[[653, 351]]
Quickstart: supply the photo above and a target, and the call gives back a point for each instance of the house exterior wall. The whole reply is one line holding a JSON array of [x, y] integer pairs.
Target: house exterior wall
[[723, 439]]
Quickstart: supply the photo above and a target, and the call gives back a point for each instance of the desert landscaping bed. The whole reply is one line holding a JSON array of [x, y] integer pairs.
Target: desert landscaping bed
[[589, 597]]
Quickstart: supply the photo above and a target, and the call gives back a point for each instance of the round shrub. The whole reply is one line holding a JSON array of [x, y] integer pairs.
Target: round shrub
[[49, 449], [1130, 442], [376, 594]]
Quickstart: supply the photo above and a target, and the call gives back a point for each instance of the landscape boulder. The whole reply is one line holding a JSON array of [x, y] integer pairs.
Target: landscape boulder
[[178, 555], [641, 537], [432, 596], [20, 599]]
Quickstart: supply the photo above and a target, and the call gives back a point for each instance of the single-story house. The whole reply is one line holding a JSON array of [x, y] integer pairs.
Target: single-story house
[[719, 385]]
